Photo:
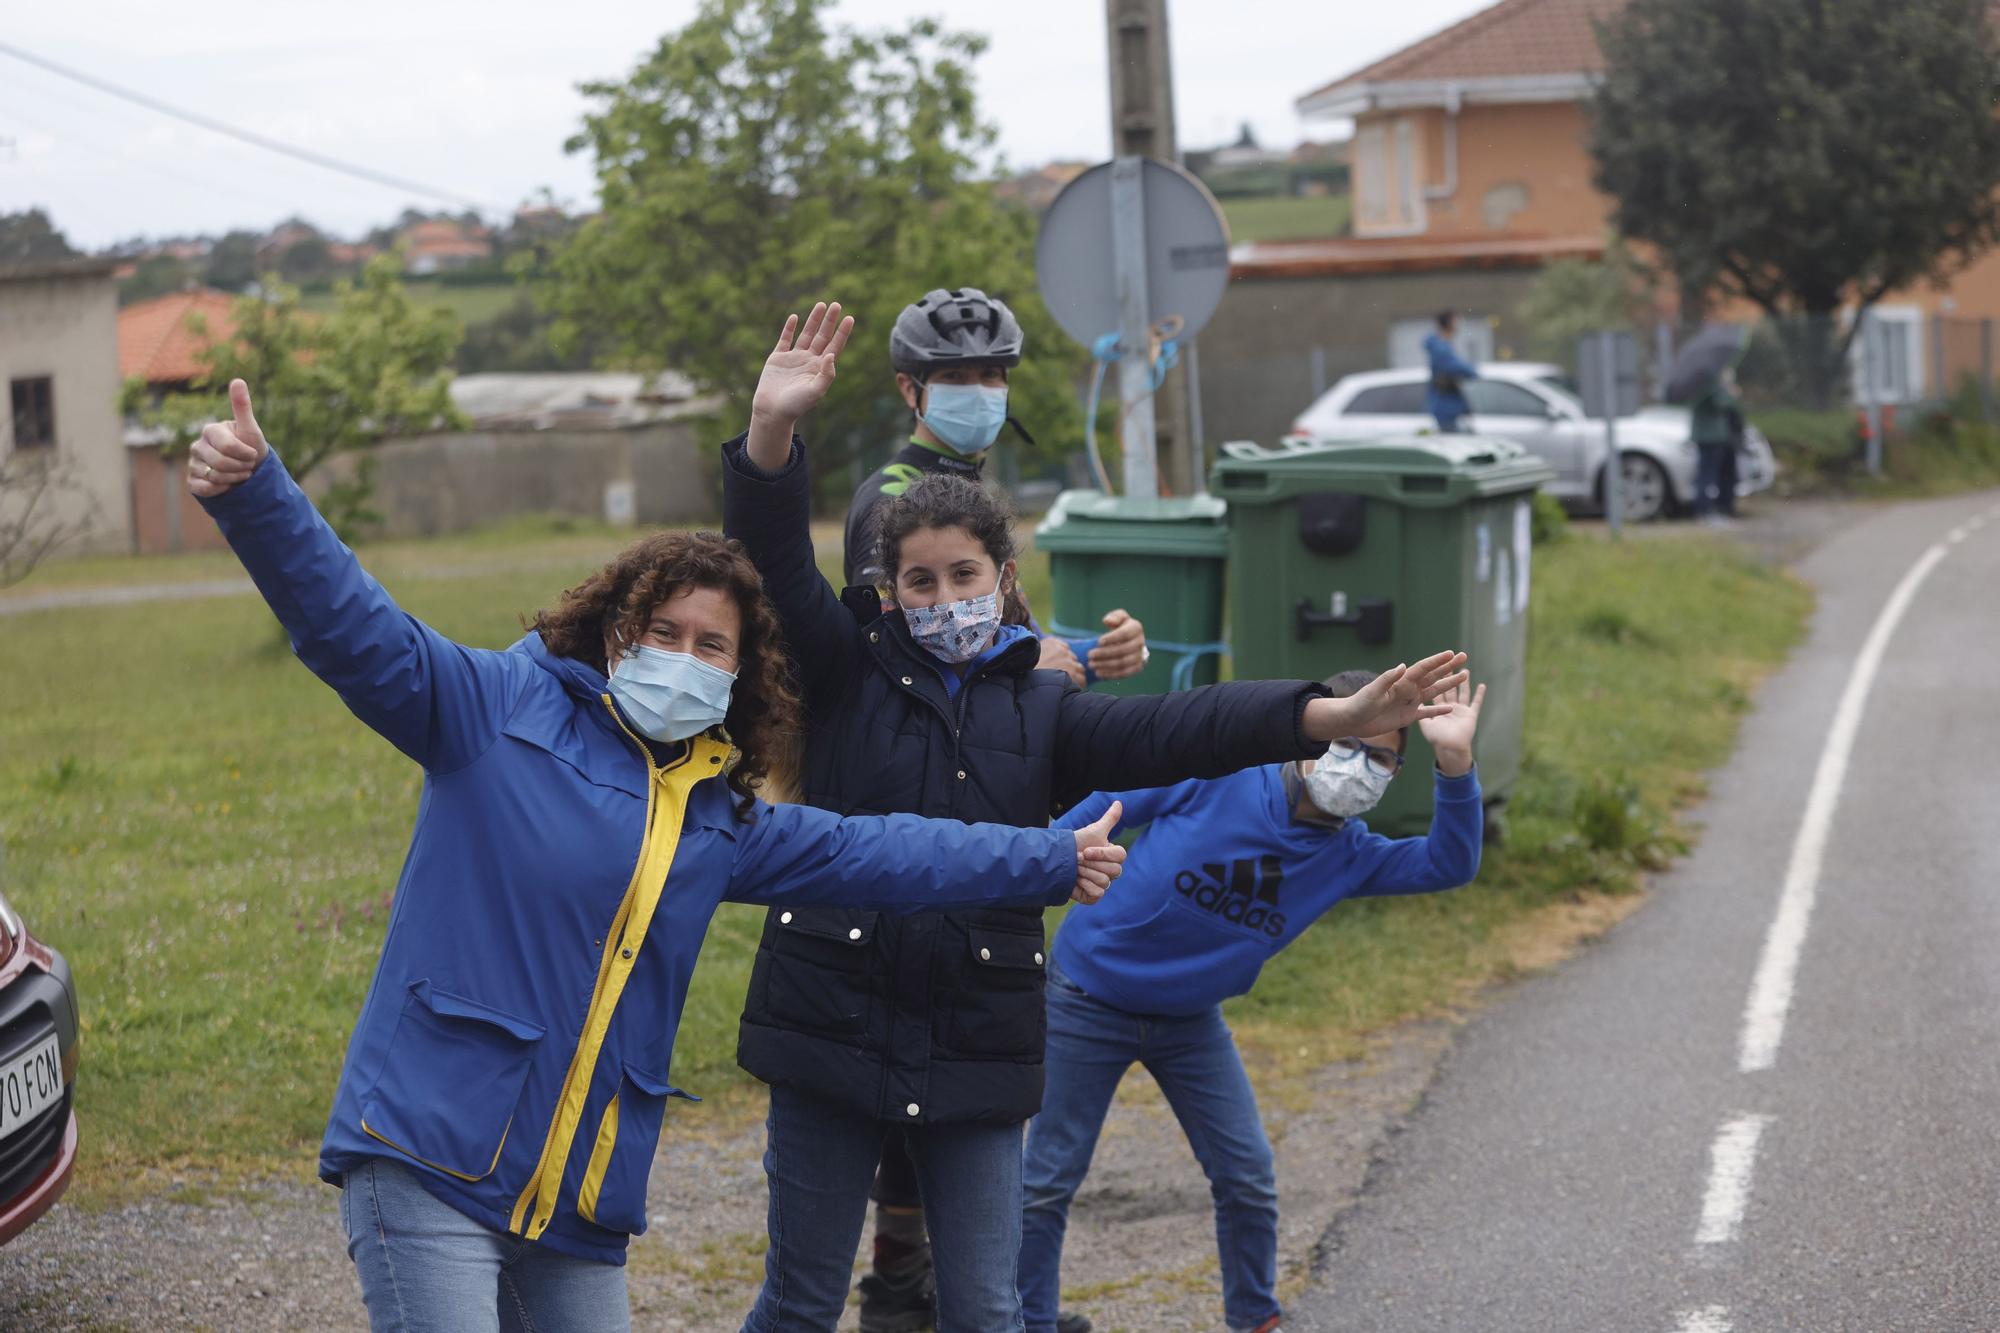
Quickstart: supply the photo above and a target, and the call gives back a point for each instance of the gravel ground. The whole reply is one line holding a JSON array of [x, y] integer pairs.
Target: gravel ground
[[1140, 1253]]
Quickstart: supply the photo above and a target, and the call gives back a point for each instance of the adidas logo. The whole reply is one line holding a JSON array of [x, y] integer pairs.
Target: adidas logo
[[1244, 892]]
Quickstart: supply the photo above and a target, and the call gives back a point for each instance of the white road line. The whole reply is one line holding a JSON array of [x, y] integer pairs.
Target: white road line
[[1708, 1319], [1777, 968], [1731, 1158]]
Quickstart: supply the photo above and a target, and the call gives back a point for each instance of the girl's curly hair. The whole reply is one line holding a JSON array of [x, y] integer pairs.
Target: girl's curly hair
[[940, 500], [618, 601]]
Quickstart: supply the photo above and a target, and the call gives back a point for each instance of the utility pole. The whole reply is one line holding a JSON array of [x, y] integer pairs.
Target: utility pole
[[1142, 125]]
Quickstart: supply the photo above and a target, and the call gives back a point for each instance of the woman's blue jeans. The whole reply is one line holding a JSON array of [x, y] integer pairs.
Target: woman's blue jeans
[[820, 1161], [1194, 1060], [425, 1267]]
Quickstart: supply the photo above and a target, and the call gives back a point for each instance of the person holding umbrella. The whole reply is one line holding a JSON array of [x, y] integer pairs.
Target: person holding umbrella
[[1703, 375]]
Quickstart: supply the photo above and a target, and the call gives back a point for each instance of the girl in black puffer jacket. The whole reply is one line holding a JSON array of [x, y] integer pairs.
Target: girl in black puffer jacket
[[934, 1023]]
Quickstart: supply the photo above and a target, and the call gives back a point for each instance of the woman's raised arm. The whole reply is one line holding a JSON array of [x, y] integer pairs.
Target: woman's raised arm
[[439, 702]]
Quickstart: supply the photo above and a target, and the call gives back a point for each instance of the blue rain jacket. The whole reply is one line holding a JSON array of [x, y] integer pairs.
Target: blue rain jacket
[[1448, 365], [515, 1043]]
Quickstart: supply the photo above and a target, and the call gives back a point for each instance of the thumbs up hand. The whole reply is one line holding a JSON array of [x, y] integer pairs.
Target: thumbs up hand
[[228, 451], [1098, 859]]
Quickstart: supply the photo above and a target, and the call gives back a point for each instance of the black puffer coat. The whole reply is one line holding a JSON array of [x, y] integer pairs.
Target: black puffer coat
[[938, 1017]]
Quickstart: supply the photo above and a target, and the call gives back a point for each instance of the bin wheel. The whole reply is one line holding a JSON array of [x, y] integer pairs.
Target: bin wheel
[[1494, 832]]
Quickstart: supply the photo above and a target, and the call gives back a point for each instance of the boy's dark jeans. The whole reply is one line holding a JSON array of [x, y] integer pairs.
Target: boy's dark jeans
[[1194, 1060]]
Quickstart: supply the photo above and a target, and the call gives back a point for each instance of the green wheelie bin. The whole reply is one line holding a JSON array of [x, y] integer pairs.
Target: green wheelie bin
[[1160, 559], [1366, 554]]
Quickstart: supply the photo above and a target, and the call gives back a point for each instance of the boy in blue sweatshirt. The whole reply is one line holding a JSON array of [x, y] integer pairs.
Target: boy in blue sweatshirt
[[1229, 871]]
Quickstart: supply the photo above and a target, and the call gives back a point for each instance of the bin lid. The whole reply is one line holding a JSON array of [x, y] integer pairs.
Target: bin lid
[[1091, 521], [1421, 470]]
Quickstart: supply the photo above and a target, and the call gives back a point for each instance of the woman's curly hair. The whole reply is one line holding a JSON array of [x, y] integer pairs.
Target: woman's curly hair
[[618, 601]]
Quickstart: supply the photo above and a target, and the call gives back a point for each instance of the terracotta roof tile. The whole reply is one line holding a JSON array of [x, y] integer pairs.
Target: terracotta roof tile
[[1512, 39], [155, 342]]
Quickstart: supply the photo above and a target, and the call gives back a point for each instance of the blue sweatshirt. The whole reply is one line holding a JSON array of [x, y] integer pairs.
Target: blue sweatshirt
[[1225, 876]]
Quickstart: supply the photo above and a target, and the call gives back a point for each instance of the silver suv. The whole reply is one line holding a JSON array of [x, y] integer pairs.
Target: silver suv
[[1537, 406]]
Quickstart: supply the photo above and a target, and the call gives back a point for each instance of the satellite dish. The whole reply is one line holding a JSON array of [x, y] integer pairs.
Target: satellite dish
[[1187, 252]]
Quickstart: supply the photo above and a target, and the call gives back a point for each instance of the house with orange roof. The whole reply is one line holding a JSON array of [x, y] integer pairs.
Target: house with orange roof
[[158, 344], [440, 244], [1471, 170]]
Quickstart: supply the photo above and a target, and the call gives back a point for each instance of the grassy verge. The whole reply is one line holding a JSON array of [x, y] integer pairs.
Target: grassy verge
[[210, 837], [1285, 218], [1932, 452]]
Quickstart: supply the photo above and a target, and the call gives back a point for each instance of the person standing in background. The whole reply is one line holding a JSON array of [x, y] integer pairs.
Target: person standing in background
[[1445, 397]]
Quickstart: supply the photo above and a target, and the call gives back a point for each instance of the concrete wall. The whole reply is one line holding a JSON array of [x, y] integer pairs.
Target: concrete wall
[[436, 484], [1256, 353], [65, 327]]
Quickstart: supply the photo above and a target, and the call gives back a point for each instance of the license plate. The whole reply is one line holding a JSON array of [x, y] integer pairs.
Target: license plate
[[30, 1083]]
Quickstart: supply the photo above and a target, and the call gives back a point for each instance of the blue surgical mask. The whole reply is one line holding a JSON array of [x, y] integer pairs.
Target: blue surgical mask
[[670, 696], [966, 417], [958, 631]]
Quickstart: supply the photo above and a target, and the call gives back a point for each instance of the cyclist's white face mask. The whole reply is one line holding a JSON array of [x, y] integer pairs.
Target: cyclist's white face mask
[[1344, 784]]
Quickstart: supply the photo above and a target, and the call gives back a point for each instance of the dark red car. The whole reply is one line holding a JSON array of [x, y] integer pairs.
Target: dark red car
[[38, 1032]]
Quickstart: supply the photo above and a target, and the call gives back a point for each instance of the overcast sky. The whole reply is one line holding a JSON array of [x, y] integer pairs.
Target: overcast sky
[[451, 94]]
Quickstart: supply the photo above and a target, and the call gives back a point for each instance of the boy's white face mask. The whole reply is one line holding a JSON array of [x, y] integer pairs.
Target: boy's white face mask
[[1344, 784]]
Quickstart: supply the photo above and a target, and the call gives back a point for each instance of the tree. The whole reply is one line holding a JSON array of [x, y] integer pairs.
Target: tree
[[232, 263], [42, 506], [757, 161], [376, 366], [155, 275], [30, 238], [1808, 155], [1572, 297]]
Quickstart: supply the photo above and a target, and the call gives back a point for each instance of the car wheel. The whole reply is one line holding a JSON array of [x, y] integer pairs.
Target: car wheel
[[1642, 486]]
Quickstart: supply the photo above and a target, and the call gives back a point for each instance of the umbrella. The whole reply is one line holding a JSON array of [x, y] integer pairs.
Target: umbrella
[[1701, 362]]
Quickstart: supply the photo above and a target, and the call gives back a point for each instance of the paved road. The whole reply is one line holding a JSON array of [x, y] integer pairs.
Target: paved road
[[1768, 1101]]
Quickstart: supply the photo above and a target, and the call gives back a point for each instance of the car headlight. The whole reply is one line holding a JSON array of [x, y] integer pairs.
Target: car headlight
[[10, 921]]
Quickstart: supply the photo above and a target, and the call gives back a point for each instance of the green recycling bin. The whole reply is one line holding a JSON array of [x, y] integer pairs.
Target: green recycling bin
[[1366, 554], [1161, 559]]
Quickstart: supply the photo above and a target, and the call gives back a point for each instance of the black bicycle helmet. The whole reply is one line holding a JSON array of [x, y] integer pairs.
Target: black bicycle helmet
[[954, 328]]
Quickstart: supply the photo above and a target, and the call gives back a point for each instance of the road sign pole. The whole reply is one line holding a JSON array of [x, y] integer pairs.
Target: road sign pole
[[1614, 479], [1141, 81], [1135, 333]]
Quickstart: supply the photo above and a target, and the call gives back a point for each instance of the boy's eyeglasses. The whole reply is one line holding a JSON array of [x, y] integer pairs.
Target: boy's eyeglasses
[[1381, 759]]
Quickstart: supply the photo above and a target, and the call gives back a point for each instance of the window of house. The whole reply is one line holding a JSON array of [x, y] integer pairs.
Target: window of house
[[1407, 186], [1888, 355], [1371, 176], [34, 407]]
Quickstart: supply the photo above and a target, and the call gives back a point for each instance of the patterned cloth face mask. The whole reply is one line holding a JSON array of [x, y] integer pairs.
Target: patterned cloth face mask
[[956, 632]]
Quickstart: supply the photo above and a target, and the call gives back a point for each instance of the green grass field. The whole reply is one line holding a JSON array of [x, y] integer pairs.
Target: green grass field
[[211, 838], [1283, 218]]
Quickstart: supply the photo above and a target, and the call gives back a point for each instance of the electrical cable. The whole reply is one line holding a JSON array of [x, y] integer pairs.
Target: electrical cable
[[307, 155]]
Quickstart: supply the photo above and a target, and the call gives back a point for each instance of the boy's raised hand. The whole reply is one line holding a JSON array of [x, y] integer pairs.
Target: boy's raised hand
[[227, 452], [1098, 859], [1450, 734], [796, 376], [1399, 697]]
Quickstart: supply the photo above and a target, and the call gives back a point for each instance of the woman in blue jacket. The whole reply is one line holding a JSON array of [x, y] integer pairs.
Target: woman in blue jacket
[[934, 1024], [503, 1090]]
